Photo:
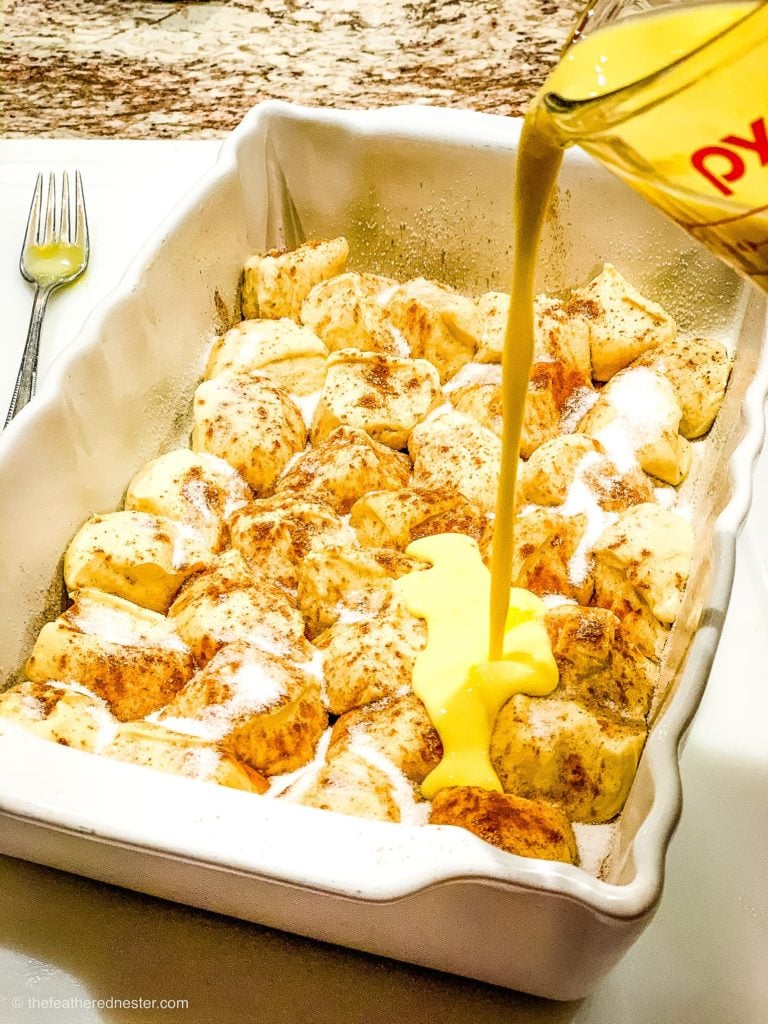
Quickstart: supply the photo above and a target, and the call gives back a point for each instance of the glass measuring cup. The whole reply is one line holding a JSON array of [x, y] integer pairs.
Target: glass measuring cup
[[689, 130]]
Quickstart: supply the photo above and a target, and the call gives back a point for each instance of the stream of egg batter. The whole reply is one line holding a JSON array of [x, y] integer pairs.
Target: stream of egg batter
[[538, 162], [486, 640], [610, 59]]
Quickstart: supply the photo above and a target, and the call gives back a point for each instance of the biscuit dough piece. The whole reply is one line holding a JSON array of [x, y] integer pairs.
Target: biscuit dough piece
[[290, 356], [528, 828], [622, 322], [560, 331], [597, 665], [366, 660], [399, 728], [340, 580], [476, 392], [233, 601], [437, 322], [637, 416], [698, 370], [653, 547], [554, 391], [275, 283], [60, 712], [276, 533], [549, 476], [456, 452], [582, 761], [152, 746], [130, 656], [638, 626], [350, 784], [386, 396], [195, 488], [494, 312], [615, 490], [254, 425], [344, 467], [134, 555], [494, 309], [545, 545], [263, 710], [393, 519], [345, 312]]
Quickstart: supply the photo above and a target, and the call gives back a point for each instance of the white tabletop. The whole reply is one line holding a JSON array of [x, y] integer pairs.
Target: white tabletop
[[66, 942]]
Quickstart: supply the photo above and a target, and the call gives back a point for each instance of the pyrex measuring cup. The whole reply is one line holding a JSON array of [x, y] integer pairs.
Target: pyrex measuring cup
[[691, 133]]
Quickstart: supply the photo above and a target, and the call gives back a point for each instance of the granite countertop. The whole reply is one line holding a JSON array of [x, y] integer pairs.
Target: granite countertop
[[108, 68]]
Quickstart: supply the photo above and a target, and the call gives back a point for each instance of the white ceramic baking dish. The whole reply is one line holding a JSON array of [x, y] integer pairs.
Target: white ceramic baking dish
[[416, 191]]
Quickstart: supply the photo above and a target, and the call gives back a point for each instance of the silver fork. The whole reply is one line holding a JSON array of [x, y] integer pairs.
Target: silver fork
[[54, 253]]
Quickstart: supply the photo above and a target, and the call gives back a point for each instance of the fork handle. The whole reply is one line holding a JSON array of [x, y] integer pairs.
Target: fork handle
[[26, 378]]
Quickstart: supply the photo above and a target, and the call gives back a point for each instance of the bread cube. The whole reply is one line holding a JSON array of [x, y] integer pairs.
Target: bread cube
[[437, 322], [562, 334], [494, 312], [455, 452], [366, 660], [576, 461], [560, 331], [547, 476], [393, 519], [152, 746], [197, 489], [349, 784], [698, 370], [130, 656], [290, 356], [597, 666], [554, 392], [622, 322], [263, 710], [251, 424], [476, 392], [637, 417], [275, 283], [60, 712], [346, 312], [134, 555], [653, 547], [580, 760], [399, 729], [638, 626], [548, 558], [615, 491], [385, 396], [275, 534], [582, 639], [527, 828], [233, 601], [342, 580], [344, 467]]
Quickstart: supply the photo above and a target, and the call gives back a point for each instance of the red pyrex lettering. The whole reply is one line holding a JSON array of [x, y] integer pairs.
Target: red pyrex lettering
[[721, 164]]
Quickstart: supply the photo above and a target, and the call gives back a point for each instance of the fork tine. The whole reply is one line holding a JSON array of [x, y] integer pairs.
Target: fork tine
[[33, 221], [81, 221], [50, 212], [64, 215]]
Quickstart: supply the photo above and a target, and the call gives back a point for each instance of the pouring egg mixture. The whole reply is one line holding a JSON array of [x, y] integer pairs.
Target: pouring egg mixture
[[272, 606]]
